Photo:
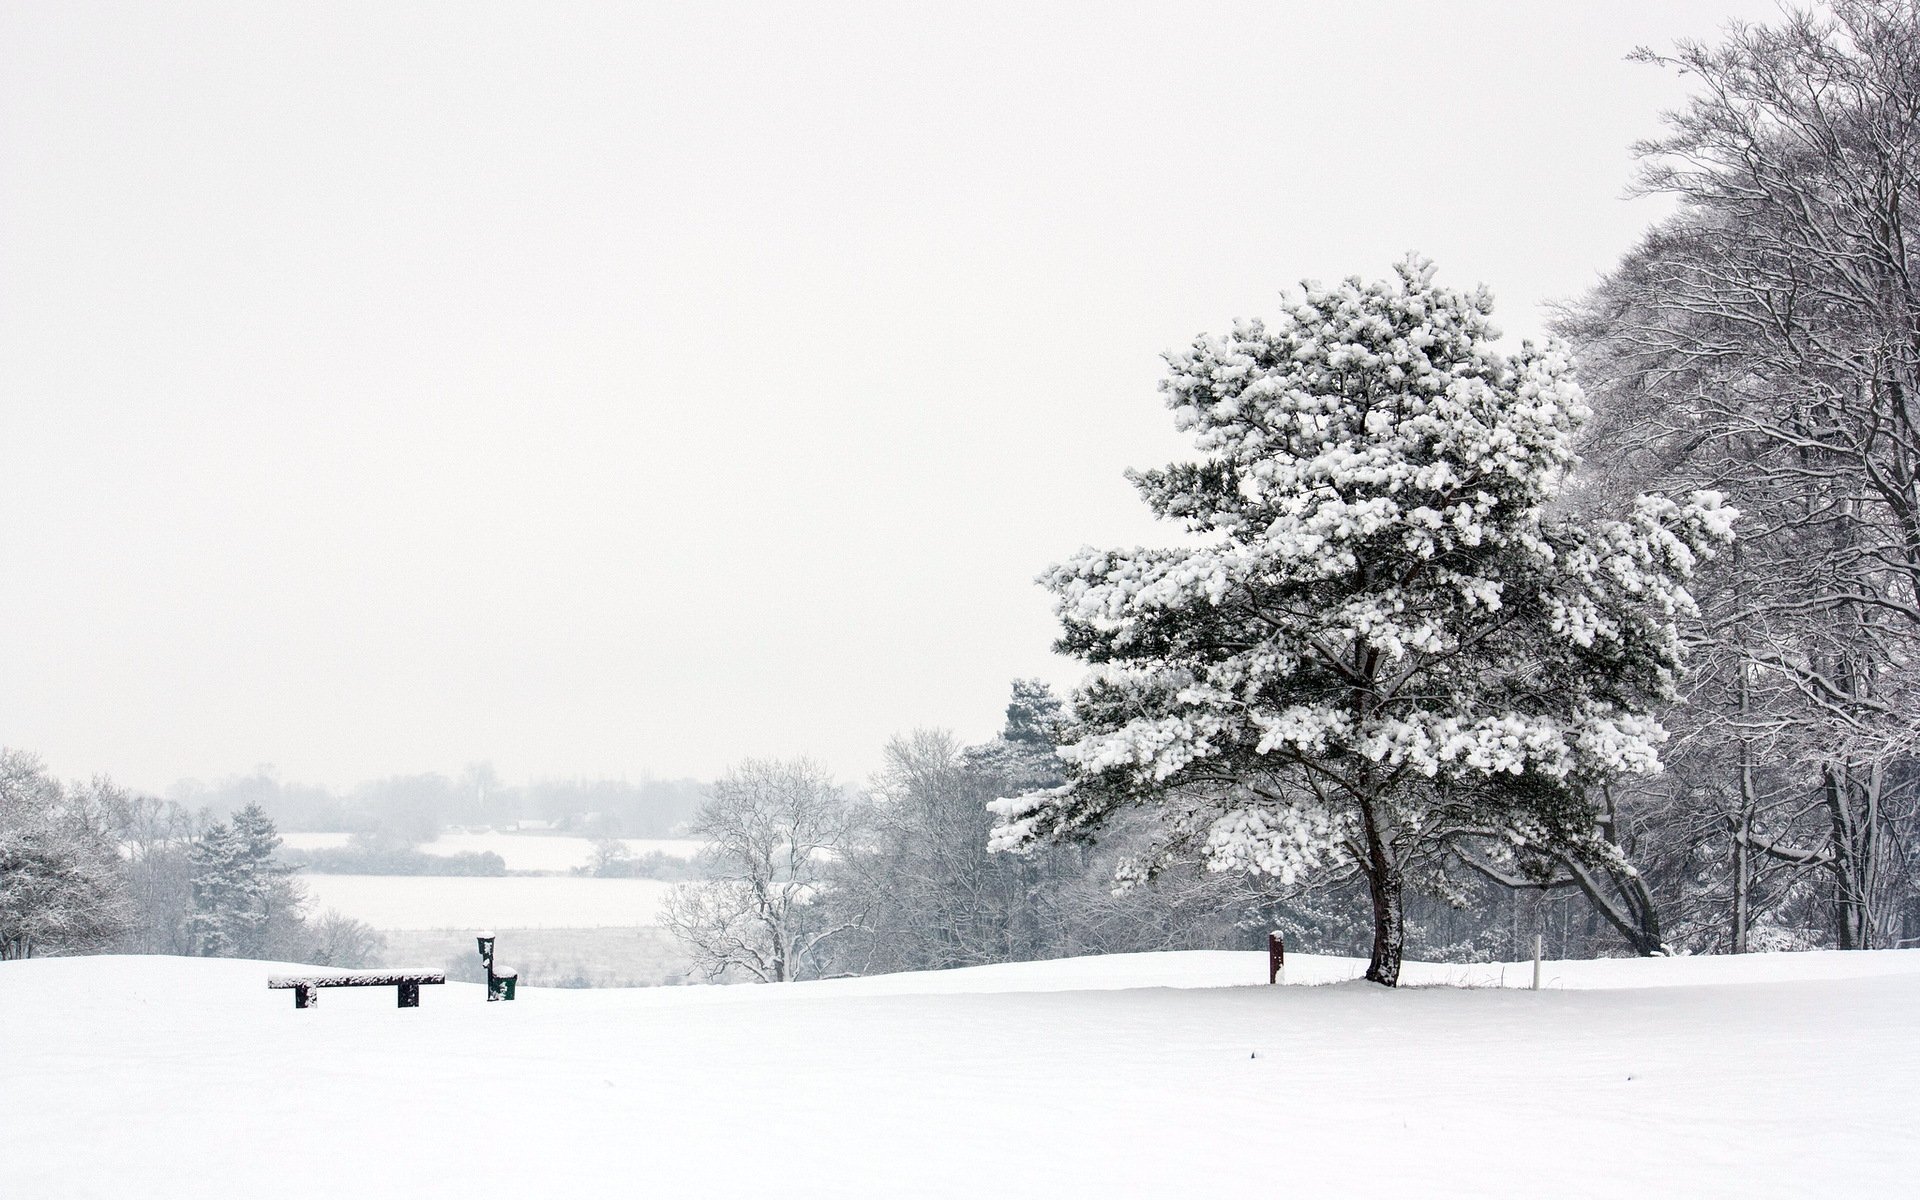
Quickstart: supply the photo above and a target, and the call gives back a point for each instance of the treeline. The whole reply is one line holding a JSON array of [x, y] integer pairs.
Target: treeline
[[410, 809], [93, 868], [369, 856], [613, 859]]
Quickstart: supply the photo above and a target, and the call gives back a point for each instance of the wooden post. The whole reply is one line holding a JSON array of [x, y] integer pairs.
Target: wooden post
[[305, 997], [409, 995], [1276, 957]]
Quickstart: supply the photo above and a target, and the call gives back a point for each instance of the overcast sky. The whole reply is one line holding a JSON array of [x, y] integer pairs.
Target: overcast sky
[[624, 389]]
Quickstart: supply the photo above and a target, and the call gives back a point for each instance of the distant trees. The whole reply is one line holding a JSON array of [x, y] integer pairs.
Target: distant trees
[[918, 883], [612, 859], [1389, 645], [368, 854], [61, 887], [1765, 341], [773, 831]]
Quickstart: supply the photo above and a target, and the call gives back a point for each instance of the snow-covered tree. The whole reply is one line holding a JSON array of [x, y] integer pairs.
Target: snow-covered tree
[[1384, 638], [772, 831], [224, 918], [244, 903], [62, 886]]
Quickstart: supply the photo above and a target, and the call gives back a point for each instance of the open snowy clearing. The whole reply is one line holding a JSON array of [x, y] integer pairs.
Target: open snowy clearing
[[1141, 1075], [486, 901]]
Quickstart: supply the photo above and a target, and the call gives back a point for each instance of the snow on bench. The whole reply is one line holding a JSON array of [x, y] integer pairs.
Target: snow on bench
[[305, 987]]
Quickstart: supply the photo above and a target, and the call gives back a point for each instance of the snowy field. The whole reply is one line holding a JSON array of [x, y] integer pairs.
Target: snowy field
[[478, 902], [1148, 1075], [522, 851]]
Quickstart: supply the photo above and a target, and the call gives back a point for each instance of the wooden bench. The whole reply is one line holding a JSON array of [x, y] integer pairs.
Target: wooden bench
[[305, 987]]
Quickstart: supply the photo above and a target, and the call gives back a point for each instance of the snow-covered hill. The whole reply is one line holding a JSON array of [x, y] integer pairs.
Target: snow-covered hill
[[1140, 1075]]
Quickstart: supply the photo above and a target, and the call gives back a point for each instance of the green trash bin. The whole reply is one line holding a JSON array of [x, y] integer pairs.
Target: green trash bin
[[500, 984]]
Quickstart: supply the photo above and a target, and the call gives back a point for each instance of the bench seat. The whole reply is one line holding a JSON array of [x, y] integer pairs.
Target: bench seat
[[306, 987]]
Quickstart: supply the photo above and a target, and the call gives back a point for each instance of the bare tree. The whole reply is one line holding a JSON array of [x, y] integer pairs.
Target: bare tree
[[334, 940], [772, 831], [155, 837]]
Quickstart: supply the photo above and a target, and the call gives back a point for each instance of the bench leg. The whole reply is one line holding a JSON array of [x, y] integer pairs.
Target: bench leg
[[305, 997], [409, 995]]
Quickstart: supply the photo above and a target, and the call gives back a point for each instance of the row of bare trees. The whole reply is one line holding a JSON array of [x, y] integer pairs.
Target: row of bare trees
[[1765, 341]]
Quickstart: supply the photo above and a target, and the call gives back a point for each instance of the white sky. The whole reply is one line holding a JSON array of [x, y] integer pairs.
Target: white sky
[[624, 389]]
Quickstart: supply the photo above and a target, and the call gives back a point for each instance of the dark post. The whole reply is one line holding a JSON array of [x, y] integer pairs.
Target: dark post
[[305, 997], [409, 995], [1276, 956]]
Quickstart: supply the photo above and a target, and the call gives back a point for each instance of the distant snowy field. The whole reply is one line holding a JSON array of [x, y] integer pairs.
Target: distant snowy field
[[508, 901], [1169, 1075], [522, 851]]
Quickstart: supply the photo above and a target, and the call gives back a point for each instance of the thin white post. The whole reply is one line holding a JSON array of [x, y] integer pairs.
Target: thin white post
[[1536, 962]]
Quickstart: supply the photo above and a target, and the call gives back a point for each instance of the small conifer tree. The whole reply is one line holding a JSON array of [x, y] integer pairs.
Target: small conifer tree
[[238, 887]]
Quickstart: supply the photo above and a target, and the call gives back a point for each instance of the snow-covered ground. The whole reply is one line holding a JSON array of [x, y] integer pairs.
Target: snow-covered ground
[[522, 851], [479, 902], [1151, 1075]]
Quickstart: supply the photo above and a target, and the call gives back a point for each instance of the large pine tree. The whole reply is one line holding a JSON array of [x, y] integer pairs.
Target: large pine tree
[[1384, 634]]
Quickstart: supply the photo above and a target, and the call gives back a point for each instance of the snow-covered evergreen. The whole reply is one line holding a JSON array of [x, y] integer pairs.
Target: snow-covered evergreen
[[1384, 635], [239, 890]]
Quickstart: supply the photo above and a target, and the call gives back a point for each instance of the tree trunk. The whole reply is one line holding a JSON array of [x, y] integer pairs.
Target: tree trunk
[[1743, 832], [1386, 886], [1836, 789], [1636, 916], [1629, 906], [1742, 885]]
